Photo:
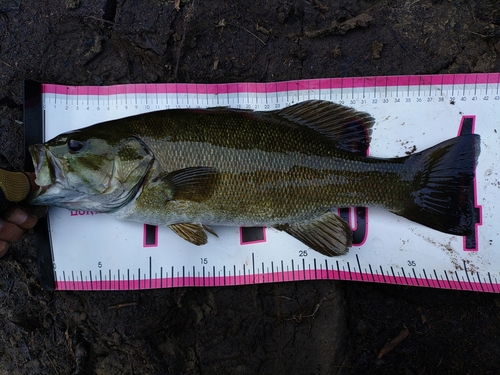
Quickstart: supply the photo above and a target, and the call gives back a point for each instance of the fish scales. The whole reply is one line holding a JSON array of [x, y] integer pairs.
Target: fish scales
[[271, 172]]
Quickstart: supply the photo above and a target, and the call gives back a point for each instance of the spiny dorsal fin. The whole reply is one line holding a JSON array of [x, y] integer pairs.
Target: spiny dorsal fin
[[351, 129], [327, 234]]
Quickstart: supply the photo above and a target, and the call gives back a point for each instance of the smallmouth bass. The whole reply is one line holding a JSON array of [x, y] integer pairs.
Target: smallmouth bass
[[191, 168]]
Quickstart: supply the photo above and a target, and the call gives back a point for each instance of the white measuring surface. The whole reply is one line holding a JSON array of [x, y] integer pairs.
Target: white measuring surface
[[95, 252]]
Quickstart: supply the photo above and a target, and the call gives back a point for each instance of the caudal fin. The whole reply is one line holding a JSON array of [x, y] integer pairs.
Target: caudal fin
[[443, 194]]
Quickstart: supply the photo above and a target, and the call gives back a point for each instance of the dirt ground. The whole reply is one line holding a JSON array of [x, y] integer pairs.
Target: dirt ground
[[293, 328]]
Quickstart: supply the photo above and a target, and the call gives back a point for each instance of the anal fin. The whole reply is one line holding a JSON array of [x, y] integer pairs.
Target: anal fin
[[327, 234]]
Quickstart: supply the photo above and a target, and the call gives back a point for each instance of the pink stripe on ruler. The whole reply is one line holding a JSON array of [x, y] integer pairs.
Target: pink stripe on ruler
[[281, 86], [269, 87], [222, 89], [278, 276], [93, 90], [313, 84], [323, 83]]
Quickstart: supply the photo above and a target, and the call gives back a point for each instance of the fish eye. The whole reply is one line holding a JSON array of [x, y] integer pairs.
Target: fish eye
[[74, 145]]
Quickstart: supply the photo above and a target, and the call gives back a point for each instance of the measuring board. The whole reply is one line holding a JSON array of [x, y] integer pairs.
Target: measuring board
[[91, 251]]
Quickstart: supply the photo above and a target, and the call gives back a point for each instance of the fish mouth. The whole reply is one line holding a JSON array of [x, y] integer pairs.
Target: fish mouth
[[48, 169], [50, 175], [56, 185]]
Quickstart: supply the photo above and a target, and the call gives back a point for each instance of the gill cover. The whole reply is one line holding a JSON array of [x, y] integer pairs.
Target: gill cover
[[98, 172]]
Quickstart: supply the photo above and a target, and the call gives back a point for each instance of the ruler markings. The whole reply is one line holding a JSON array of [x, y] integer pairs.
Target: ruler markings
[[395, 279], [138, 282], [207, 278], [371, 273], [458, 281], [491, 282], [415, 277], [194, 100], [404, 275], [437, 279], [379, 278], [479, 281], [425, 276], [90, 282]]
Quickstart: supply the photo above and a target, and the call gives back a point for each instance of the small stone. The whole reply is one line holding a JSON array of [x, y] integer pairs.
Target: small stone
[[377, 48], [336, 52], [72, 4]]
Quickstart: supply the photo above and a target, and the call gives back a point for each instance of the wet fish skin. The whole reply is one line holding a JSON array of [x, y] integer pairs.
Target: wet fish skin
[[284, 169]]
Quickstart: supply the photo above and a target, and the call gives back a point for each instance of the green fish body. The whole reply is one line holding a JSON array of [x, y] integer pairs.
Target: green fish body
[[286, 169]]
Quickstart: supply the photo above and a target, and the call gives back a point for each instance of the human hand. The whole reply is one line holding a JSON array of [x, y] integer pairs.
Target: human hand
[[15, 219]]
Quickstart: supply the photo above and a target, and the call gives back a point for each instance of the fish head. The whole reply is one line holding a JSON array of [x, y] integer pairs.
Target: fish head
[[89, 170]]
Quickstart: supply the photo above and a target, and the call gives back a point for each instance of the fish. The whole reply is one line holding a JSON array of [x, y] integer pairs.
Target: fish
[[190, 169]]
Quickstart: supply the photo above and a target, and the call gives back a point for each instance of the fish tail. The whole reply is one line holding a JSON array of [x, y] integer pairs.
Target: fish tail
[[442, 194]]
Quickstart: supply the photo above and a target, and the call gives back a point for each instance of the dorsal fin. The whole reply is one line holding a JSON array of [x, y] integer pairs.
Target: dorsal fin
[[350, 129]]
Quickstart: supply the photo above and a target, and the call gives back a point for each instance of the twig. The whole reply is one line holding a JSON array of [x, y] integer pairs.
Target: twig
[[187, 20], [120, 305], [299, 317], [5, 63], [11, 285], [390, 345], [102, 20], [223, 23], [52, 363], [248, 31], [363, 20]]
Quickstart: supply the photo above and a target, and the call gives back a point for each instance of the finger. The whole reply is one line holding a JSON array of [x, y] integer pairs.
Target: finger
[[10, 232], [18, 216], [32, 178], [4, 246], [37, 211]]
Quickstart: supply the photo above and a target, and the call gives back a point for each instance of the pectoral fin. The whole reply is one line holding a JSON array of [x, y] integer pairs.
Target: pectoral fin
[[328, 234], [193, 183], [194, 233]]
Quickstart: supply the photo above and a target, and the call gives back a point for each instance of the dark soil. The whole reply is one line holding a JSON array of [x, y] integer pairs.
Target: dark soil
[[292, 328]]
